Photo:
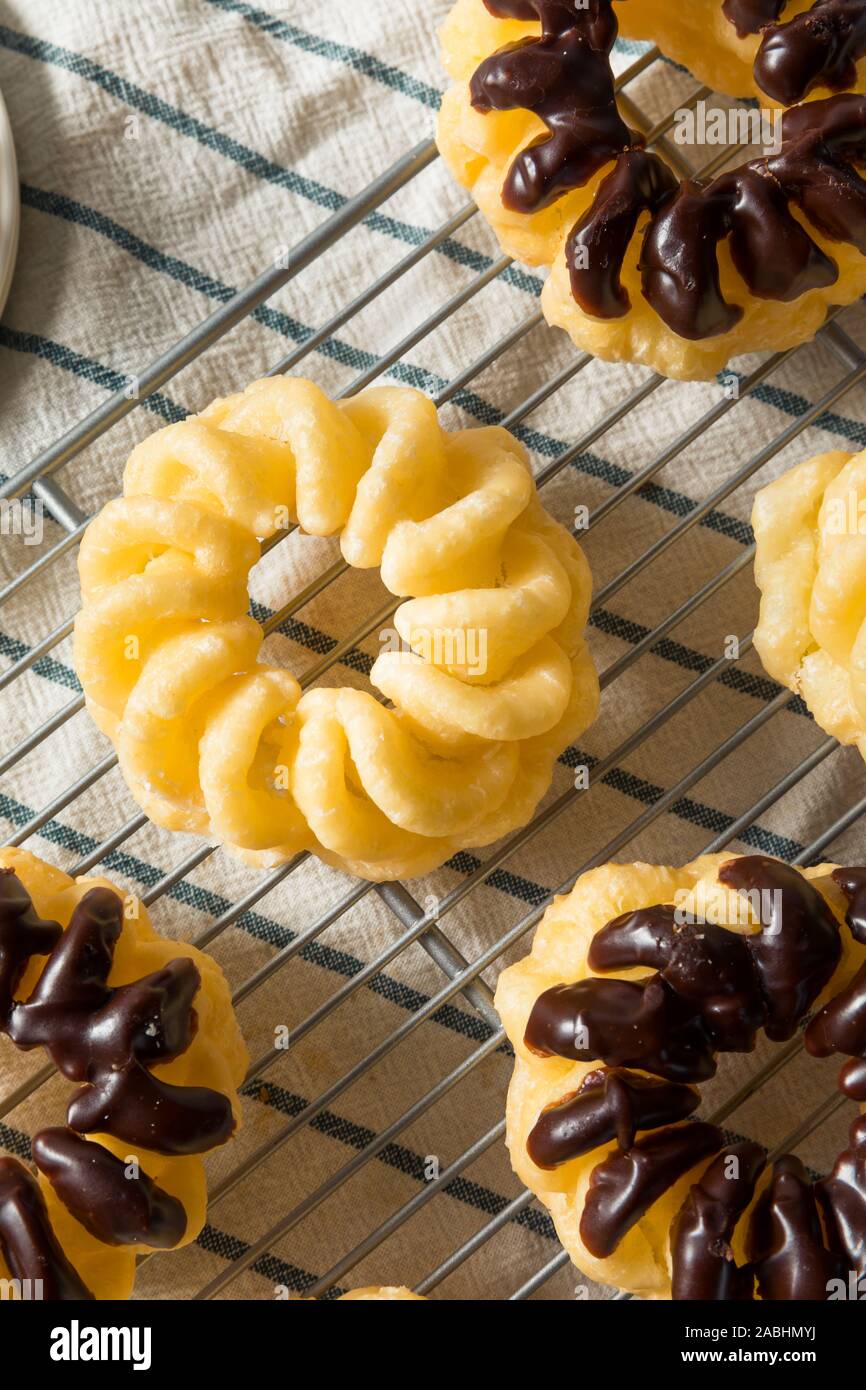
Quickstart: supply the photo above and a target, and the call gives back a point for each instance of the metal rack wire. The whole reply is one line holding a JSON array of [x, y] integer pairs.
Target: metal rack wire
[[429, 928]]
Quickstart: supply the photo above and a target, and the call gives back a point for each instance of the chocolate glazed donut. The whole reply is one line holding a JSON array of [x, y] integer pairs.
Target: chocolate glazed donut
[[564, 77], [106, 1038], [713, 991], [819, 47]]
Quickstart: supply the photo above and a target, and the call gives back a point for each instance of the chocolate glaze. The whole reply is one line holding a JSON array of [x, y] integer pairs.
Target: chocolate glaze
[[853, 885], [92, 1183], [703, 1261], [749, 207], [751, 16], [821, 141], [797, 949], [625, 1185], [22, 934], [27, 1242], [843, 1200], [596, 249], [852, 1079], [623, 1024], [819, 47], [841, 1025], [643, 937], [789, 1257], [714, 990], [787, 1247], [512, 9], [710, 971], [107, 1038], [564, 77], [610, 1104]]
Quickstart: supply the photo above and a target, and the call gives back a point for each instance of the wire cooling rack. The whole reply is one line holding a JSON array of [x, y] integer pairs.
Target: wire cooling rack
[[417, 922]]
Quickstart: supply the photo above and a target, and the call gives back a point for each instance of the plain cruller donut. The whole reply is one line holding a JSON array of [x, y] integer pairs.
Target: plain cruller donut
[[810, 565], [636, 983], [647, 267], [493, 683]]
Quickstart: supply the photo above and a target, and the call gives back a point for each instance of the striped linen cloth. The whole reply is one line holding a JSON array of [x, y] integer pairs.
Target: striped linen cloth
[[167, 152]]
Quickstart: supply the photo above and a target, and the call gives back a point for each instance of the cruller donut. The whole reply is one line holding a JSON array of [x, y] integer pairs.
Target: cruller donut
[[810, 565], [146, 1030], [646, 267], [637, 980], [494, 682]]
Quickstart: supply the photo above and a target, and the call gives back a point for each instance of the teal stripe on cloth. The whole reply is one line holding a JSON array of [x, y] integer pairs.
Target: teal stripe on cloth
[[367, 64]]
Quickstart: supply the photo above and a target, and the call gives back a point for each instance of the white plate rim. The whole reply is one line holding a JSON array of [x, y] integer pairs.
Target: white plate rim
[[10, 205]]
